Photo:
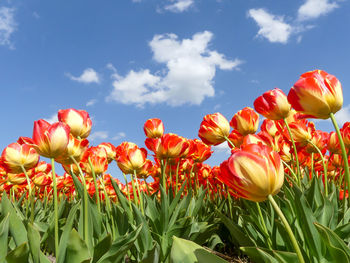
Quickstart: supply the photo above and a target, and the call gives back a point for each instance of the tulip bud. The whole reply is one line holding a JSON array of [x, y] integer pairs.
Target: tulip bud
[[153, 128], [273, 105], [236, 138], [333, 144], [200, 151], [245, 121], [78, 121], [301, 131], [316, 94], [15, 156], [214, 129], [130, 158], [50, 140], [253, 172], [270, 127]]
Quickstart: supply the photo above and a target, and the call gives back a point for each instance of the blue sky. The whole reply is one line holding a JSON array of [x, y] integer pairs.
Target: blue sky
[[125, 61]]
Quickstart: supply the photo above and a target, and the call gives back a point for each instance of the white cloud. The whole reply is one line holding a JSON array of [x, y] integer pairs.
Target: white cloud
[[98, 135], [88, 76], [272, 27], [179, 6], [312, 9], [119, 136], [343, 115], [91, 102], [7, 26], [187, 78], [223, 147], [52, 119]]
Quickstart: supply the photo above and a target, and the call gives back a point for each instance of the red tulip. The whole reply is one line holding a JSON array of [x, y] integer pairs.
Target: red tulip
[[50, 140], [316, 94], [130, 158], [153, 128], [98, 158], [110, 149], [245, 121], [78, 121], [273, 105], [214, 129]]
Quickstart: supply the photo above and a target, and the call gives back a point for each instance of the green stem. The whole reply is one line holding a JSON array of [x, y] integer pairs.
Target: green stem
[[312, 164], [139, 192], [97, 192], [55, 206], [85, 203], [345, 156], [324, 168], [136, 199], [288, 229], [269, 242], [164, 164], [295, 152], [229, 202], [229, 141], [127, 190], [177, 176], [290, 169], [31, 197]]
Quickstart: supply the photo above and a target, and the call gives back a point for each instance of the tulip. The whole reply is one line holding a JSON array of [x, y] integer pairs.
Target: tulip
[[270, 127], [98, 158], [273, 105], [153, 128], [345, 132], [235, 138], [42, 179], [130, 158], [301, 131], [245, 121], [319, 139], [110, 150], [316, 94], [254, 172], [50, 140], [75, 149], [333, 144], [16, 157], [78, 121], [200, 151], [214, 129]]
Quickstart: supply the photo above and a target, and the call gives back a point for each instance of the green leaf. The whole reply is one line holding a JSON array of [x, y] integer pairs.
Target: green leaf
[[17, 229], [102, 247], [4, 231], [257, 254], [152, 256], [285, 257], [187, 251], [123, 201], [336, 247], [77, 251], [19, 255], [120, 247], [34, 242]]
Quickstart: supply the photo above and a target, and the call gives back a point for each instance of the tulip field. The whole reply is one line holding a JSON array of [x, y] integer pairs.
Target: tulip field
[[281, 196]]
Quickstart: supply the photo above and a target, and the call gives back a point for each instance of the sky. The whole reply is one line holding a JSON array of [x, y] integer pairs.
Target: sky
[[125, 61]]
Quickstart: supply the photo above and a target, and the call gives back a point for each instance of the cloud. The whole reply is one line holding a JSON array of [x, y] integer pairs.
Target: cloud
[[223, 147], [52, 119], [312, 9], [272, 27], [343, 115], [98, 135], [88, 76], [187, 78], [119, 136], [7, 26], [179, 6], [91, 102]]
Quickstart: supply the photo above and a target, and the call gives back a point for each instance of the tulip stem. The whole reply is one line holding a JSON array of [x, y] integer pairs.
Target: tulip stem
[[127, 190], [229, 141], [31, 196], [345, 156], [269, 242], [177, 176], [295, 151], [55, 201], [288, 229], [139, 192], [324, 168], [290, 169], [97, 192], [136, 199]]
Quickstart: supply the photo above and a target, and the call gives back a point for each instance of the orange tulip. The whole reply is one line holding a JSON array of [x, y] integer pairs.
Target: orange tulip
[[153, 128], [333, 144], [130, 157], [316, 94], [50, 140], [78, 121], [253, 172], [98, 158], [273, 105], [245, 121], [301, 131], [110, 150], [200, 151], [75, 149], [236, 138], [15, 156], [270, 127], [345, 132], [214, 129]]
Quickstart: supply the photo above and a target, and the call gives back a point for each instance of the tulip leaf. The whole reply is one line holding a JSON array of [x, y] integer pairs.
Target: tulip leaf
[[34, 242], [187, 251], [336, 247], [123, 201], [17, 229], [102, 247], [4, 231], [257, 254], [77, 250], [19, 255]]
